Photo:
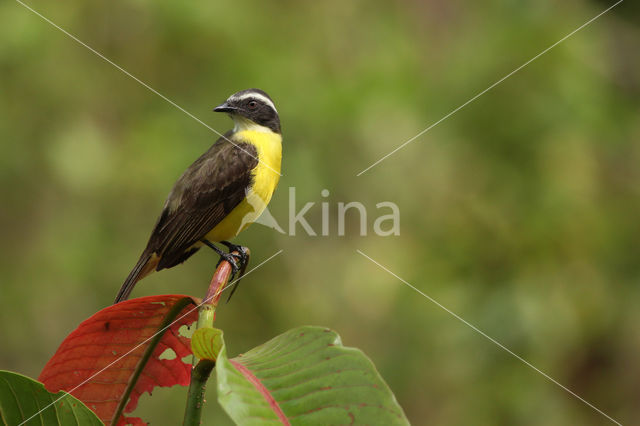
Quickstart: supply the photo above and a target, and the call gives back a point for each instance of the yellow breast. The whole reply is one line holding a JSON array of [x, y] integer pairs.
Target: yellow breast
[[265, 179]]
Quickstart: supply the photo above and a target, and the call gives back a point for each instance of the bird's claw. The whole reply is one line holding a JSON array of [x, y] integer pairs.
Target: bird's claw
[[242, 255], [232, 258]]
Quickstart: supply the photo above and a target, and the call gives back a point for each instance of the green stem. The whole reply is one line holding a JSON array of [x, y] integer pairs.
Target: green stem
[[195, 398], [202, 370], [206, 316]]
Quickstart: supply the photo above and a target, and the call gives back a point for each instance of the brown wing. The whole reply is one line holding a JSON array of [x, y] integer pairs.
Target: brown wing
[[206, 192]]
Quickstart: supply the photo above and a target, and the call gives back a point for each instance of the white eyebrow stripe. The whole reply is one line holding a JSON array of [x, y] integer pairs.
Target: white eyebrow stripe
[[256, 96]]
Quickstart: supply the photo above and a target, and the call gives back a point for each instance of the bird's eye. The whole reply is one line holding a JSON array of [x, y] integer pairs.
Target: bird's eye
[[252, 104]]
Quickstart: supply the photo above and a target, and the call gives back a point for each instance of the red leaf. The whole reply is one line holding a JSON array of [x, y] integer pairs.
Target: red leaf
[[99, 359]]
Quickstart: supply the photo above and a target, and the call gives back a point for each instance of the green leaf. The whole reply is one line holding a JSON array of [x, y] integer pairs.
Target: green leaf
[[23, 398], [305, 376], [206, 343]]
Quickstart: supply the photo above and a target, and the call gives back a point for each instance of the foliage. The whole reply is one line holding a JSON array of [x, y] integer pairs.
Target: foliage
[[21, 399], [305, 376], [302, 376], [123, 351]]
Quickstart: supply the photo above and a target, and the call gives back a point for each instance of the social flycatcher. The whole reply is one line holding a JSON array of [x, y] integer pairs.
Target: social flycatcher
[[221, 193]]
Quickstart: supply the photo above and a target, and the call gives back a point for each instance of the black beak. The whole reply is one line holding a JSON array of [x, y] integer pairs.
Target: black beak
[[225, 107]]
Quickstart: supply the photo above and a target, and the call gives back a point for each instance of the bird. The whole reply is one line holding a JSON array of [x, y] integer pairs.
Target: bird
[[221, 193]]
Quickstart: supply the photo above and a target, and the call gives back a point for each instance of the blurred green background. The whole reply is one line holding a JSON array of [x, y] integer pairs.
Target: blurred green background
[[520, 213]]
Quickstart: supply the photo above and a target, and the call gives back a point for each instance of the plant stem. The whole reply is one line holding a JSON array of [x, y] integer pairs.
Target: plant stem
[[195, 398], [202, 370]]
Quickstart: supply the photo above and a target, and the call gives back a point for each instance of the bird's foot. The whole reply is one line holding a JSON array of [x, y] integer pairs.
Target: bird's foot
[[232, 258], [243, 255], [238, 258], [229, 257]]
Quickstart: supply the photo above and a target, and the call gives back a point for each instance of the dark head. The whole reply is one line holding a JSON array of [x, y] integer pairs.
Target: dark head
[[249, 108]]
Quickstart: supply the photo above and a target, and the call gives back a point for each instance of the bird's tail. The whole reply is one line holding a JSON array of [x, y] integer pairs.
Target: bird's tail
[[146, 264]]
